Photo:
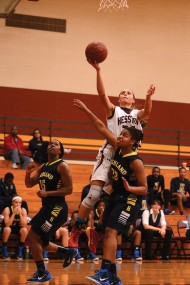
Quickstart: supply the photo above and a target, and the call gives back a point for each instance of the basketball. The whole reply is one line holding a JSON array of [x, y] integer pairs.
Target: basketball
[[96, 52]]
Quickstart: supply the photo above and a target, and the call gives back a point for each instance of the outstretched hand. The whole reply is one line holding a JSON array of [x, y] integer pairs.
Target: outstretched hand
[[79, 104], [151, 90], [94, 64]]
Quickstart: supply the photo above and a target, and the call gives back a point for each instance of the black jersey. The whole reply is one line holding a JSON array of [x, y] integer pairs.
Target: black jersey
[[16, 220], [121, 168], [50, 180]]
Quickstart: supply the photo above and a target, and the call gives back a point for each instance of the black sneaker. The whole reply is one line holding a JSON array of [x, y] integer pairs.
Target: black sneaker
[[68, 257], [188, 227]]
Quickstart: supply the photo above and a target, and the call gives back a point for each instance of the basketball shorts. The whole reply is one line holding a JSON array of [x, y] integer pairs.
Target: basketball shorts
[[102, 166], [121, 213], [48, 220]]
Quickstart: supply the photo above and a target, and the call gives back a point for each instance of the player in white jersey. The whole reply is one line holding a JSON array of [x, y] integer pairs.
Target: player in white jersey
[[117, 117]]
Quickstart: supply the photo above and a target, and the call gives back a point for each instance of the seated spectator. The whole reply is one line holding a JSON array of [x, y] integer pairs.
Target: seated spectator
[[14, 150], [15, 221], [61, 233], [38, 147], [5, 199], [94, 228], [76, 241], [157, 191], [154, 225], [8, 191], [180, 190]]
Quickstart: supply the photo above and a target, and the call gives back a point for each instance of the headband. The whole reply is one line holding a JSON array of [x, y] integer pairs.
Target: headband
[[17, 198]]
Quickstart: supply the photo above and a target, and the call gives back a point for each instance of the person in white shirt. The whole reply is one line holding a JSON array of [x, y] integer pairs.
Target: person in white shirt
[[154, 225]]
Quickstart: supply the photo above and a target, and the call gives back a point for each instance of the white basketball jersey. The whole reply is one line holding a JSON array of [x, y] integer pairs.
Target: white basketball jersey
[[123, 117]]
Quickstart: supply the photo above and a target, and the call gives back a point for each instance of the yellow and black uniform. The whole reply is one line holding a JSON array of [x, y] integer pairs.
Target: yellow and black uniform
[[15, 226], [54, 211], [123, 207]]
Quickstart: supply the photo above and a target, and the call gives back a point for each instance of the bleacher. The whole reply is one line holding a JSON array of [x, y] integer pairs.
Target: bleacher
[[81, 173]]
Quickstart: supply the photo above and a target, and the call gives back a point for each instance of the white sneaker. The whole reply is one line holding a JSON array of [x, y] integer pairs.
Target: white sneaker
[[14, 166]]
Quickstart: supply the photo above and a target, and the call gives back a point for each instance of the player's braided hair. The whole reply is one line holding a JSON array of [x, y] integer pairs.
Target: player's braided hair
[[61, 149], [136, 134]]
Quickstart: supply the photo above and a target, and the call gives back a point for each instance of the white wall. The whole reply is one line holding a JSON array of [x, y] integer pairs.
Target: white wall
[[148, 43]]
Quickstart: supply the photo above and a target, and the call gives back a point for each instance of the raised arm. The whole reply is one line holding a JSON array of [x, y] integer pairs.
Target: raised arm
[[145, 113], [32, 175], [106, 103], [99, 125]]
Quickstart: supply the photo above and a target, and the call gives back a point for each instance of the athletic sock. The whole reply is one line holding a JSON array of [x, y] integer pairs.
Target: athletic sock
[[113, 268], [106, 264]]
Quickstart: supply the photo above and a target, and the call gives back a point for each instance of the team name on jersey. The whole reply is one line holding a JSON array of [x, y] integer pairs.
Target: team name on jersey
[[128, 119], [46, 174], [119, 167]]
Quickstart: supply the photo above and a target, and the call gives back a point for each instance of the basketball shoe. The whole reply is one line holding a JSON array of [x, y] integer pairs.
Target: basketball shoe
[[93, 256], [68, 256], [101, 277], [5, 253], [136, 255], [20, 253], [45, 256], [79, 257], [115, 280], [40, 276], [119, 255]]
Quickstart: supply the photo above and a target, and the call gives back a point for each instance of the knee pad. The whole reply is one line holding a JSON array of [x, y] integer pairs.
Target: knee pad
[[92, 197]]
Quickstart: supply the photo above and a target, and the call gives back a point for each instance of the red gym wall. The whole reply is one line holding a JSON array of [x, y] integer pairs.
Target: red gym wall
[[51, 105]]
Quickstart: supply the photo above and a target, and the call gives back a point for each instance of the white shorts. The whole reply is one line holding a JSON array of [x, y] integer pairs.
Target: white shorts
[[102, 166]]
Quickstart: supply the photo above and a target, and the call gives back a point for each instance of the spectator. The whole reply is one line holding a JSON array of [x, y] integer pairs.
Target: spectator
[[11, 189], [5, 200], [180, 190], [14, 149], [78, 238], [94, 229], [154, 225], [157, 191], [15, 221], [38, 147]]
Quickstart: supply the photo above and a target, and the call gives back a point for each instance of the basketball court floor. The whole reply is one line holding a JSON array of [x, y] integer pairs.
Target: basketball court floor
[[173, 272]]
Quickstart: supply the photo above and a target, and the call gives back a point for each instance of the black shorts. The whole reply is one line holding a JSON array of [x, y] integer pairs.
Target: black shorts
[[121, 213], [48, 220]]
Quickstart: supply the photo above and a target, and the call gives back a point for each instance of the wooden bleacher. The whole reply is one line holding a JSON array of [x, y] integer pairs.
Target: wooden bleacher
[[81, 174]]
